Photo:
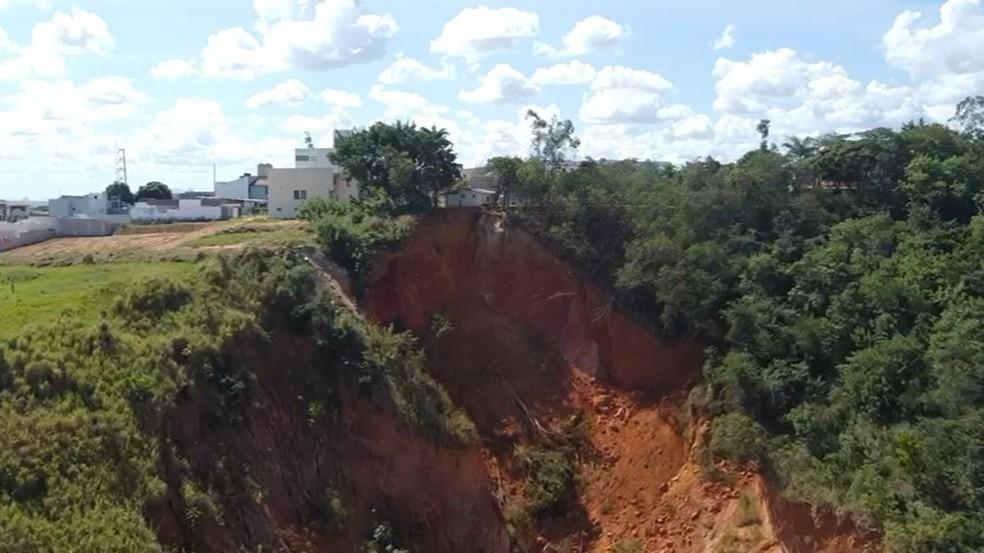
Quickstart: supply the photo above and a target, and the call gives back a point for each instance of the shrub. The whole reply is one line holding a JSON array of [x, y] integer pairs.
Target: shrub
[[549, 477], [152, 298], [736, 436]]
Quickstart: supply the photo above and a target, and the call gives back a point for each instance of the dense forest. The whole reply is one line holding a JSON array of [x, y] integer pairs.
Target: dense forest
[[839, 285], [837, 282]]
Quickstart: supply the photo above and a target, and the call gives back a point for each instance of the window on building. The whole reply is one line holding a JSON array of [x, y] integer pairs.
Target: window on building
[[300, 194]]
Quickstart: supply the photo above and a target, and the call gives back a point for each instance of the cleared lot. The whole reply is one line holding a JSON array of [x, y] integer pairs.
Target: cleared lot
[[159, 242]]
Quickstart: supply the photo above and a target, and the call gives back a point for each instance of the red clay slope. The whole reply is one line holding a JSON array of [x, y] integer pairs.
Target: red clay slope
[[531, 338], [464, 257]]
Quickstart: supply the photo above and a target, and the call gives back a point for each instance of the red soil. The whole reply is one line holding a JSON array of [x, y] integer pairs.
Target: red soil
[[532, 339]]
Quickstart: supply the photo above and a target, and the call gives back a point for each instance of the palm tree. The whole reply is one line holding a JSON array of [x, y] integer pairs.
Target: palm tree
[[801, 148]]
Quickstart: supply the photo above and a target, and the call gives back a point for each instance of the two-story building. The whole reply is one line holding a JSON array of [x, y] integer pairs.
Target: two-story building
[[313, 176]]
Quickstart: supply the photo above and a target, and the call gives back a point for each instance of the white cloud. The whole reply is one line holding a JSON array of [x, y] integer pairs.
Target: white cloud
[[954, 45], [621, 105], [694, 126], [476, 32], [300, 34], [398, 104], [946, 55], [617, 76], [288, 92], [408, 69], [78, 32], [341, 99], [234, 54], [197, 133], [624, 95], [173, 69], [592, 34], [571, 73], [323, 126], [74, 33], [339, 33], [62, 108], [808, 97], [501, 85], [726, 39]]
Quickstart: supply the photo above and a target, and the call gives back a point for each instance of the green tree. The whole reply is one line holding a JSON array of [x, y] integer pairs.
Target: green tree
[[763, 130], [154, 190], [970, 116], [507, 178], [554, 141], [120, 191], [411, 165]]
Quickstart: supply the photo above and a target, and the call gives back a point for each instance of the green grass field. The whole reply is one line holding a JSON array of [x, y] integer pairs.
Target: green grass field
[[31, 295]]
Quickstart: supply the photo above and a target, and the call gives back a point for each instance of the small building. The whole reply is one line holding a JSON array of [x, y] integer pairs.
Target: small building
[[246, 187], [89, 205], [11, 212], [188, 210], [470, 197]]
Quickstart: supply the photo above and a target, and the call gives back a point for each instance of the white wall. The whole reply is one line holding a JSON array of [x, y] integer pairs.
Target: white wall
[[308, 158], [235, 189], [28, 231], [187, 210], [284, 183], [79, 206], [467, 198]]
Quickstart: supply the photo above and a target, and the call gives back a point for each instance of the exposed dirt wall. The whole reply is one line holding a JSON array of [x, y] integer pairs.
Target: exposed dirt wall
[[463, 257]]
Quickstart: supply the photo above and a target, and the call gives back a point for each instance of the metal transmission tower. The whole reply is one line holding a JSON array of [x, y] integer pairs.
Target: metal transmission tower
[[121, 166], [116, 201]]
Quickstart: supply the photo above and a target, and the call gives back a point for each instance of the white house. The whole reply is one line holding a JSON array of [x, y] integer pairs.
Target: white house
[[90, 205], [246, 187], [470, 197], [202, 209]]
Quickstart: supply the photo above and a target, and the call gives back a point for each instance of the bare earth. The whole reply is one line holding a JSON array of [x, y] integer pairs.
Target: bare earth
[[150, 242]]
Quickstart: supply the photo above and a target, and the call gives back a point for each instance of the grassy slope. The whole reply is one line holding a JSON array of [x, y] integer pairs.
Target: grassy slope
[[31, 296]]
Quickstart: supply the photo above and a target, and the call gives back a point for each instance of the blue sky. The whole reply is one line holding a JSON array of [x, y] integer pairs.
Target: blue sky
[[184, 84]]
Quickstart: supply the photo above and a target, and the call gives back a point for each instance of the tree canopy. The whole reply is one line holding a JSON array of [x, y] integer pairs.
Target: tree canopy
[[154, 190], [840, 286], [120, 191], [411, 165]]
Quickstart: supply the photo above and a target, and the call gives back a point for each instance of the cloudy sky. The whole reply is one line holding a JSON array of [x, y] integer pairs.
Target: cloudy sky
[[183, 84]]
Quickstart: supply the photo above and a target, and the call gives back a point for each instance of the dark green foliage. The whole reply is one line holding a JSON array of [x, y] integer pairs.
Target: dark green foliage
[[409, 165], [154, 190], [549, 477], [353, 233], [383, 540], [738, 437], [842, 289], [120, 191], [84, 406]]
